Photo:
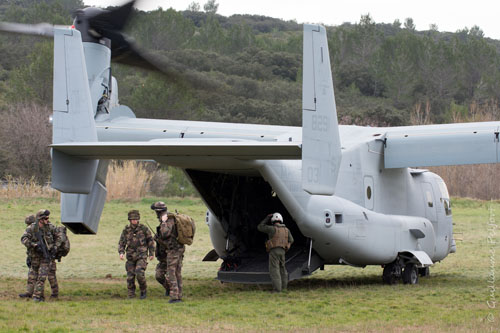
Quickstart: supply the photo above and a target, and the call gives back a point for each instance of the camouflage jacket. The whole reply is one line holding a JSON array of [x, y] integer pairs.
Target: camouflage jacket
[[136, 242], [49, 235], [168, 233]]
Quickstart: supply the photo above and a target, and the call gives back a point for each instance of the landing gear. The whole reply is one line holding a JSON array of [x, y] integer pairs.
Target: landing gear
[[398, 270], [392, 273], [410, 274], [424, 271]]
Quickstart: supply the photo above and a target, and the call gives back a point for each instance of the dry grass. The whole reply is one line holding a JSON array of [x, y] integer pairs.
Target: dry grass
[[26, 188], [128, 180], [471, 181]]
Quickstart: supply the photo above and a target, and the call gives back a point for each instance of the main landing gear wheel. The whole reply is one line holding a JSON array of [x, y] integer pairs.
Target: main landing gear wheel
[[392, 273], [410, 274]]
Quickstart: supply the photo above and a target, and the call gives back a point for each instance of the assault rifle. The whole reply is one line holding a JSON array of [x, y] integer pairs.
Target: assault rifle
[[156, 238], [42, 245]]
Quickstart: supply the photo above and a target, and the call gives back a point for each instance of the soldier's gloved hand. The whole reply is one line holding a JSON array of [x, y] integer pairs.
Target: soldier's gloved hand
[[121, 256]]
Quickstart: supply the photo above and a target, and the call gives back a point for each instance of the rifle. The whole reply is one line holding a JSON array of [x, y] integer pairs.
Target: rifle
[[156, 238], [42, 245]]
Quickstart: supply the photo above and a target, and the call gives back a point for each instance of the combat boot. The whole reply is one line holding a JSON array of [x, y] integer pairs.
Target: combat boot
[[143, 294], [25, 295], [175, 301], [54, 297], [38, 299]]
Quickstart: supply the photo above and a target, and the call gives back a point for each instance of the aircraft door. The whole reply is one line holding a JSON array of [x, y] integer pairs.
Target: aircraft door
[[429, 202], [369, 192]]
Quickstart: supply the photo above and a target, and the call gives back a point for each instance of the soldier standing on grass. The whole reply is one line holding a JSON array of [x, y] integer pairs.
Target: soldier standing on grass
[[136, 242], [41, 240], [161, 249], [175, 255], [280, 240]]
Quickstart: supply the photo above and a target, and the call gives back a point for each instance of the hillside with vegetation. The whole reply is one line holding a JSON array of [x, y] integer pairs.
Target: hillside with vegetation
[[248, 68]]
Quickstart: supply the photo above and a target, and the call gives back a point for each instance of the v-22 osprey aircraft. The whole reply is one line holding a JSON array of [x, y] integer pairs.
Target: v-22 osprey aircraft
[[350, 195]]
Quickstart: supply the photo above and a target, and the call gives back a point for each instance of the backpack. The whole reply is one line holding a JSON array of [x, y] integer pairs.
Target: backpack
[[63, 250], [185, 228]]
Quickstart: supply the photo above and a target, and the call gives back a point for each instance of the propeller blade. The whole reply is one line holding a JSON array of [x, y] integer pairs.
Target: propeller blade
[[114, 19]]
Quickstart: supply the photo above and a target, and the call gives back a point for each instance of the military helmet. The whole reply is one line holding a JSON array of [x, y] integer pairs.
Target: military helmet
[[277, 218], [159, 206], [42, 213], [30, 219], [134, 215]]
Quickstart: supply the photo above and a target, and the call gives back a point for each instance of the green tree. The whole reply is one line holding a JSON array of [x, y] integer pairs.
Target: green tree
[[211, 6]]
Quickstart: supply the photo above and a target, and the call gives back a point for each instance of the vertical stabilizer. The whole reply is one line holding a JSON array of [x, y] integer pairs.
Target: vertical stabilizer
[[321, 154]]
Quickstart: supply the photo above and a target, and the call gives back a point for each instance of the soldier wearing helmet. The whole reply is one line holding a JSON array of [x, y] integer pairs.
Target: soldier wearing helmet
[[161, 250], [41, 240], [279, 241], [174, 252], [135, 243]]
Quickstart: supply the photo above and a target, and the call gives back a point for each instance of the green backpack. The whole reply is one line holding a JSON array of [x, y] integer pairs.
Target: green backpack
[[185, 228], [63, 250]]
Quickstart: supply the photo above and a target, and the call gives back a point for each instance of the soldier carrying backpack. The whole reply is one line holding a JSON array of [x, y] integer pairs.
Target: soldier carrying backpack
[[174, 232]]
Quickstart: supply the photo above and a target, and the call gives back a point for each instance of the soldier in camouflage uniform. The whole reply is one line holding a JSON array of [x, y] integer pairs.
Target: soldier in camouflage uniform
[[136, 241], [279, 241], [42, 256], [161, 250], [175, 254]]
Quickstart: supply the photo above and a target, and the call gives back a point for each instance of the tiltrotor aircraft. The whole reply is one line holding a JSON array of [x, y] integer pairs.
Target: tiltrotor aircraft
[[349, 194]]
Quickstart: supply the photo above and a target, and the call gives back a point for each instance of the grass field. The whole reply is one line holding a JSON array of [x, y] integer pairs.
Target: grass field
[[454, 298]]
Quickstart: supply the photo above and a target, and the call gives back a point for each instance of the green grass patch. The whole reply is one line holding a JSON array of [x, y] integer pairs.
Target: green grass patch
[[341, 298]]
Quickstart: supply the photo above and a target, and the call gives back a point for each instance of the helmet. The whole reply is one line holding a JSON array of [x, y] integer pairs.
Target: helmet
[[41, 214], [29, 219], [277, 218], [159, 206], [134, 215]]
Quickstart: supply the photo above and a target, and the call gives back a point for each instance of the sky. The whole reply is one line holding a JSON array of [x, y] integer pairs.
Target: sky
[[448, 15]]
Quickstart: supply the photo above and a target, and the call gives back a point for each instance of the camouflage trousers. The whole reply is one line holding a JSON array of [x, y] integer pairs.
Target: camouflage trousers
[[136, 269], [161, 274], [174, 277], [40, 270], [277, 269]]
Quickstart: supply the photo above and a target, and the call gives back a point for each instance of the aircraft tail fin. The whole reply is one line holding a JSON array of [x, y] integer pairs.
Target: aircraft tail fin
[[321, 150], [81, 181]]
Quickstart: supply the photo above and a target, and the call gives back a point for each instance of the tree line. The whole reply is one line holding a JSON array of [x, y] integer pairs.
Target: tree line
[[248, 68]]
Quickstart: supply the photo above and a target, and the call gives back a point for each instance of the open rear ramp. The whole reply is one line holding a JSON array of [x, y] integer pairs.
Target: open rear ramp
[[253, 268]]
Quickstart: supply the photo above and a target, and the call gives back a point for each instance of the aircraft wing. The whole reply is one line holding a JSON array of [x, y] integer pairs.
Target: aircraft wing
[[434, 145], [240, 149]]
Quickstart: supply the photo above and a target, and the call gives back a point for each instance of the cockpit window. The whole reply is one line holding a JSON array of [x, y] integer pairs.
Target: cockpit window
[[443, 189], [445, 197], [447, 206]]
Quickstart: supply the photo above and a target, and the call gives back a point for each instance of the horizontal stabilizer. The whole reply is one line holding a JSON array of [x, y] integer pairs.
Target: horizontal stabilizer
[[434, 145], [181, 147]]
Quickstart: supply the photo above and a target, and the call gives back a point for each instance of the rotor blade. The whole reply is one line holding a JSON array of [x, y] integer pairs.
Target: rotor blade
[[114, 19], [41, 29]]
